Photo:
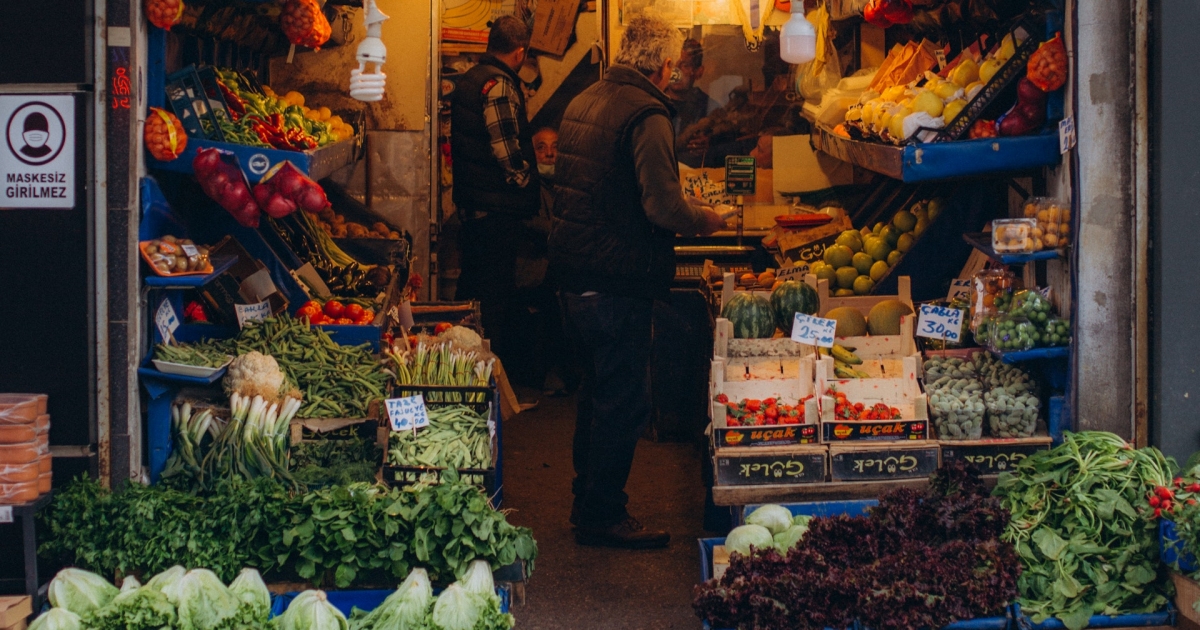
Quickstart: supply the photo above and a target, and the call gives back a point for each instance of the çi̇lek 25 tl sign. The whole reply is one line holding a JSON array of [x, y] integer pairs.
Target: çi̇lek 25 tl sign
[[37, 151]]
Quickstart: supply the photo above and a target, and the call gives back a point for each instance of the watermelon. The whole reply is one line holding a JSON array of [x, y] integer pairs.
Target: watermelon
[[750, 315], [790, 298]]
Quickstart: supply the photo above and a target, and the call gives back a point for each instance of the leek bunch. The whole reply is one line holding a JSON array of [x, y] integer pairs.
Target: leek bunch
[[441, 364]]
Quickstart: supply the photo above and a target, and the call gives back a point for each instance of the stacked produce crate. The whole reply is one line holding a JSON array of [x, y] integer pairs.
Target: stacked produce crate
[[24, 448]]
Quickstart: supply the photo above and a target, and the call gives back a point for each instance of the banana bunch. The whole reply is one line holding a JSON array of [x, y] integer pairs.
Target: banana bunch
[[844, 361]]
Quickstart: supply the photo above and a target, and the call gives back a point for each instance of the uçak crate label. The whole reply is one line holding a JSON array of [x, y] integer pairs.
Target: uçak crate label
[[773, 435], [885, 463], [991, 459], [867, 430], [755, 470]]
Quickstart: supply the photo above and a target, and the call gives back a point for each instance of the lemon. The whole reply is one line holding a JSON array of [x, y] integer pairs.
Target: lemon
[[863, 285], [862, 262], [928, 102], [838, 256], [952, 109], [896, 124], [846, 276], [989, 69], [945, 89], [905, 243], [965, 73], [879, 270]]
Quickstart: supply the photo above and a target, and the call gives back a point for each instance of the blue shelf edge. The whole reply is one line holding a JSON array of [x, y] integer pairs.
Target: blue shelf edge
[[1056, 352], [1170, 550], [256, 161], [982, 241]]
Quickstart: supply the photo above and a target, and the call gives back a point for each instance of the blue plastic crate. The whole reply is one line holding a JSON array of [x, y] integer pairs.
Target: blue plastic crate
[[1165, 617], [365, 600], [821, 508], [1170, 546]]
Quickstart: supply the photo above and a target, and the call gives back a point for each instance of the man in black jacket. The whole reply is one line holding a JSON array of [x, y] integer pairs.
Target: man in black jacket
[[618, 207], [495, 176]]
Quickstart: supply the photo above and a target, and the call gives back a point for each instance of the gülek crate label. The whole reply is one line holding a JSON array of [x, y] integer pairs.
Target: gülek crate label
[[884, 464], [746, 470], [991, 459]]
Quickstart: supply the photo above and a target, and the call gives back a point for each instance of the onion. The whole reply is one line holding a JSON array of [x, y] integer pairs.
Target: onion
[[277, 207], [206, 161], [262, 193], [313, 200]]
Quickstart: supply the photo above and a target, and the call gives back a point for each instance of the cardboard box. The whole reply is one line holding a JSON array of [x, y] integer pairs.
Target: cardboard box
[[553, 25], [14, 611], [247, 282]]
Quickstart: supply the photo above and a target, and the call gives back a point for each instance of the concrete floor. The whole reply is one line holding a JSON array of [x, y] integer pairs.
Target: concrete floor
[[584, 588]]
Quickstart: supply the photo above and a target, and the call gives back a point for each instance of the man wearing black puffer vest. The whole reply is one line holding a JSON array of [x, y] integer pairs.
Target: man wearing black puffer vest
[[618, 206], [496, 184]]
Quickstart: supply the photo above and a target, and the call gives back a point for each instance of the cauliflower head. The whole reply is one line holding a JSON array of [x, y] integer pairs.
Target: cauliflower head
[[256, 374]]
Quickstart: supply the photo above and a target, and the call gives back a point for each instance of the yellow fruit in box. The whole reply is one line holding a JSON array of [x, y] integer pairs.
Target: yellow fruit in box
[[326, 113], [862, 262], [294, 98], [967, 91], [929, 103], [879, 249], [904, 221], [965, 73], [843, 293], [922, 223], [1007, 49], [863, 285], [989, 68], [846, 276], [838, 256], [952, 109], [896, 124], [944, 89], [935, 206], [878, 270], [851, 239], [853, 114], [894, 258], [894, 93], [919, 211], [905, 243], [826, 273]]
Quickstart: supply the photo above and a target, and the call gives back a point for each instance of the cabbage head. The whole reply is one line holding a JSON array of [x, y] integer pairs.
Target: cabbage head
[[163, 580], [311, 611], [742, 538], [136, 607], [249, 588], [802, 520], [80, 592], [788, 538], [457, 609], [478, 579], [775, 518], [57, 619], [203, 602], [405, 609]]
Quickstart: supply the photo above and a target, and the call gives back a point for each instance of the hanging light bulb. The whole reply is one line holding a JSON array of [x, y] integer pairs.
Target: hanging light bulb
[[798, 37], [366, 84]]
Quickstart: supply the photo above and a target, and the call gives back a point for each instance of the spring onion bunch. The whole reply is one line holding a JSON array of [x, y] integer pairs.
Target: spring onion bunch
[[443, 364], [190, 430], [255, 441]]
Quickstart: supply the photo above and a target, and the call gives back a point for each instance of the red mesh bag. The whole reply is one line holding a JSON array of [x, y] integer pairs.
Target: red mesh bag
[[285, 188], [164, 13], [164, 135], [223, 180], [1047, 67], [304, 23]]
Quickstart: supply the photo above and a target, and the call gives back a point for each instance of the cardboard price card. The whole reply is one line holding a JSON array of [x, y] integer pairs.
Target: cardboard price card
[[407, 414], [959, 288], [814, 331], [252, 312], [166, 320], [939, 322], [796, 273]]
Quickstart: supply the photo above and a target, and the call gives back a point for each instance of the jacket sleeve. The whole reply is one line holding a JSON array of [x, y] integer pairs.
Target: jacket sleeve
[[500, 115], [662, 196]]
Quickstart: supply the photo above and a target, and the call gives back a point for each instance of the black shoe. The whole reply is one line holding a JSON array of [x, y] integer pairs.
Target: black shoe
[[628, 534]]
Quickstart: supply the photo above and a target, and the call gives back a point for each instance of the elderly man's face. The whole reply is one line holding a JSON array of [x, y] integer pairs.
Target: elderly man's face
[[545, 146]]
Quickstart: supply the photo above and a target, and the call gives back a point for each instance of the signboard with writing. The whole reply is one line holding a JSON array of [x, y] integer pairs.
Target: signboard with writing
[[874, 430], [37, 151], [361, 430], [796, 273], [884, 463], [739, 175], [814, 331], [773, 435], [165, 319], [991, 459], [252, 312], [939, 322], [753, 470], [960, 288], [406, 414]]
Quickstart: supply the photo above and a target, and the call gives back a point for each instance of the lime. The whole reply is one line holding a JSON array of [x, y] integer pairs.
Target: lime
[[845, 276], [838, 256], [862, 262], [863, 285], [879, 270], [904, 221]]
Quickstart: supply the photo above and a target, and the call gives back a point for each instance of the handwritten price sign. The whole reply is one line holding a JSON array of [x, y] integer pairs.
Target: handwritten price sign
[[959, 288], [814, 331], [166, 320], [939, 322], [407, 414]]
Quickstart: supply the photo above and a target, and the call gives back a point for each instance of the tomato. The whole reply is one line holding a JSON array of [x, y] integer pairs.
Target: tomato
[[353, 311], [344, 321], [442, 327], [321, 319], [334, 309], [367, 317]]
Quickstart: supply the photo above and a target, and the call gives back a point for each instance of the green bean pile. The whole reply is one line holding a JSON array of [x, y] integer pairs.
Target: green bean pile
[[337, 381], [457, 437], [207, 353]]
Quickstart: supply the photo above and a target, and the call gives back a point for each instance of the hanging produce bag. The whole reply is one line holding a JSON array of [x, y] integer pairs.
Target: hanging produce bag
[[164, 13], [824, 71], [1047, 67], [223, 180], [304, 23], [285, 188], [164, 135]]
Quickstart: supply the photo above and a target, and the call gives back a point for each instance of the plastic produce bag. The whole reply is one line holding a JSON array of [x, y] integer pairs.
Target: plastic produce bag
[[1013, 334], [955, 398], [1056, 332], [223, 180], [824, 71], [304, 23], [1031, 305], [993, 291], [285, 188], [1047, 67], [164, 135], [164, 13]]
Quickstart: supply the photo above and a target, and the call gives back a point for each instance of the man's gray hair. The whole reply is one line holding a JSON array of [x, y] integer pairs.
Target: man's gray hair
[[648, 41]]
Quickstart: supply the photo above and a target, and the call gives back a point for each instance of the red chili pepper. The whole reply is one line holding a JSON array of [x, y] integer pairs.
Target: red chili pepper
[[236, 106]]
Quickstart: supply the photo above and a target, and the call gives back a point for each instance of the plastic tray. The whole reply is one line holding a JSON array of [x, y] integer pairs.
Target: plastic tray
[[1165, 617], [208, 373], [1167, 540], [366, 600]]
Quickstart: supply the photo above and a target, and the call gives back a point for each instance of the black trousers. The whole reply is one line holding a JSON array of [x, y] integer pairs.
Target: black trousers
[[489, 259], [611, 335]]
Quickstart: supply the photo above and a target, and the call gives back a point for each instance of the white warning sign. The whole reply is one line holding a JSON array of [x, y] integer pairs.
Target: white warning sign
[[37, 152]]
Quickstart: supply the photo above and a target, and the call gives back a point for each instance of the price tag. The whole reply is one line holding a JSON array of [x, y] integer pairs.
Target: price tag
[[814, 331], [252, 312], [407, 414], [166, 320], [939, 322], [190, 250], [1066, 134], [796, 273], [6, 515], [959, 288]]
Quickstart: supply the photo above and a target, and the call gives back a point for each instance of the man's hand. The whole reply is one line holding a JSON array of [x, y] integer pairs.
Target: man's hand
[[710, 222]]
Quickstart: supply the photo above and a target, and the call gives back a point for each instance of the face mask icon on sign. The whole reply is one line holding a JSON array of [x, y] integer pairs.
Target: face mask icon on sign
[[36, 133]]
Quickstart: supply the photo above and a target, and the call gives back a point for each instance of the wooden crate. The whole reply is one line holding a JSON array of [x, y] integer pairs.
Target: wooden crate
[[1187, 593], [903, 393], [775, 465], [993, 456], [884, 356], [883, 461], [794, 493], [787, 379]]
